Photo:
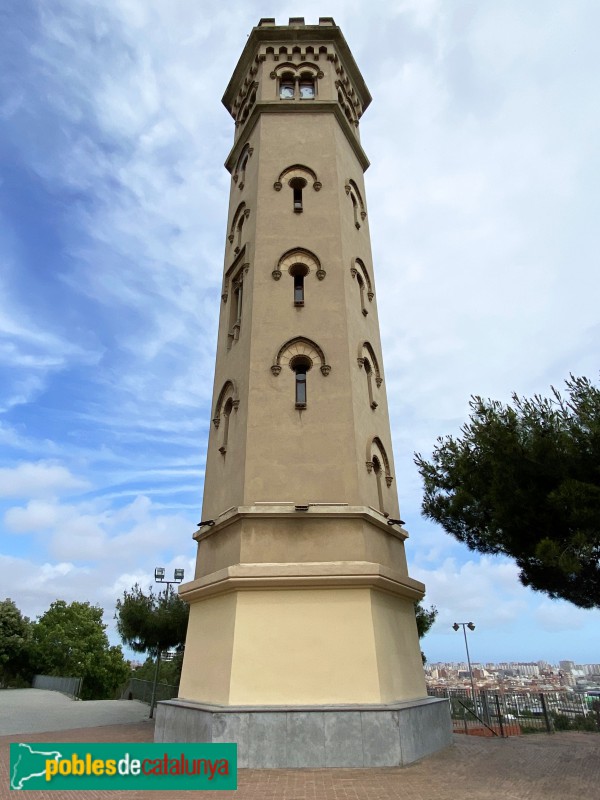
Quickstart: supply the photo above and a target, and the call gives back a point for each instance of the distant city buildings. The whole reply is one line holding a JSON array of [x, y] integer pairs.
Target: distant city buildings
[[517, 675]]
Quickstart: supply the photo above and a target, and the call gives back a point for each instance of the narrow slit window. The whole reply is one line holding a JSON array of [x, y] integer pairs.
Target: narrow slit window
[[298, 273], [226, 416], [297, 185], [378, 476], [301, 385], [299, 290], [300, 365]]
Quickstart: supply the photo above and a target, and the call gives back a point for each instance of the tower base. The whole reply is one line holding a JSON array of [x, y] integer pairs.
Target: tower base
[[313, 736]]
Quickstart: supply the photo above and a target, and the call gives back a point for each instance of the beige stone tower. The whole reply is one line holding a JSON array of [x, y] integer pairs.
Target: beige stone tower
[[302, 610]]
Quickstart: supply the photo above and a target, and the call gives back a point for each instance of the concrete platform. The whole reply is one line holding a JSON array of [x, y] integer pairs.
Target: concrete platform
[[333, 736]]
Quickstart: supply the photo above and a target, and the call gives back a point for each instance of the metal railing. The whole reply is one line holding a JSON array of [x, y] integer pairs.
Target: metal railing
[[68, 686], [137, 689], [495, 713]]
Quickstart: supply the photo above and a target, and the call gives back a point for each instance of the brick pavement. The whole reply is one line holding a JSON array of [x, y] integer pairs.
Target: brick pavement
[[538, 767]]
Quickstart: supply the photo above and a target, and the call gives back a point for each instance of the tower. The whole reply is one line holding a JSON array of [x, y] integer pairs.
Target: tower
[[302, 643]]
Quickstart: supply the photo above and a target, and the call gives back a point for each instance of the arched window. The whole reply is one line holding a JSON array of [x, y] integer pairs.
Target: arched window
[[287, 87], [359, 271], [307, 87], [299, 263], [227, 401], [378, 464], [297, 178], [239, 173], [358, 206], [368, 360], [300, 354]]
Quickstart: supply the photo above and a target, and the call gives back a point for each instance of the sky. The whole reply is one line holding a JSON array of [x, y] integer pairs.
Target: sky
[[483, 197]]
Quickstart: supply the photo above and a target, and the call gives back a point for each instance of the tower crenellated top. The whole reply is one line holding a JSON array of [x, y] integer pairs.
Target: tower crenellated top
[[307, 66]]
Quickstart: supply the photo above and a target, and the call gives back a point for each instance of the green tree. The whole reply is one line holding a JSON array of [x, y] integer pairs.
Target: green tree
[[70, 640], [15, 643], [425, 619], [151, 623], [524, 481]]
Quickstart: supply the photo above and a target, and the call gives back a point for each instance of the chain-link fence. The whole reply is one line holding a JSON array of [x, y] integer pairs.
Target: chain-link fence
[[495, 713]]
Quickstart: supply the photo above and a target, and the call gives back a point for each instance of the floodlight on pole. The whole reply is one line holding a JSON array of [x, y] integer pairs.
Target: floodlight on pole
[[159, 577], [471, 627]]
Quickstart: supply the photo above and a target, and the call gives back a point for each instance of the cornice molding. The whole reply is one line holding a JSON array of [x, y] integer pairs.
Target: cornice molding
[[311, 575]]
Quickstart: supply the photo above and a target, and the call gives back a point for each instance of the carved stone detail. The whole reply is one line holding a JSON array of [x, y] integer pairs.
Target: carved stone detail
[[389, 479], [325, 369], [361, 362], [276, 274], [369, 466], [277, 186], [321, 274], [317, 186], [276, 369]]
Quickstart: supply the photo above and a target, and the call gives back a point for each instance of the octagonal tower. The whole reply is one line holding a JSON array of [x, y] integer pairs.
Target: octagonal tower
[[302, 642]]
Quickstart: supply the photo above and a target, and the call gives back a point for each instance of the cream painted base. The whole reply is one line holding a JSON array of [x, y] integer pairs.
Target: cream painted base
[[305, 646]]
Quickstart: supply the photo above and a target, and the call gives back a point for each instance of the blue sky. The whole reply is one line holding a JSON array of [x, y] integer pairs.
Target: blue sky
[[483, 202]]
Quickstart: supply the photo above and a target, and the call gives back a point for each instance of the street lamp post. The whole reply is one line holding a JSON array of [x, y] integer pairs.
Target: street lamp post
[[471, 627], [159, 577]]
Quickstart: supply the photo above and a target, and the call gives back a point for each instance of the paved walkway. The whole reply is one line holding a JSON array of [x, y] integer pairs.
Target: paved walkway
[[39, 710], [565, 766]]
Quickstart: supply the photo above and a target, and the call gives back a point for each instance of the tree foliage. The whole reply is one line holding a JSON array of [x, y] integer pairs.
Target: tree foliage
[[15, 643], [523, 480], [70, 640], [150, 622], [425, 618]]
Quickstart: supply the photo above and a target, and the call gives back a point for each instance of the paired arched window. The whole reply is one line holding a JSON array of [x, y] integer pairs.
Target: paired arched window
[[296, 81]]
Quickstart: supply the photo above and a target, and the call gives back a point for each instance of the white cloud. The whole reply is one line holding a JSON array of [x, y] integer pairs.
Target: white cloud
[[38, 479]]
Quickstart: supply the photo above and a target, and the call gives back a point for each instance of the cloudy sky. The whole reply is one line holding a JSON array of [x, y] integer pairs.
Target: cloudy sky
[[483, 204]]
